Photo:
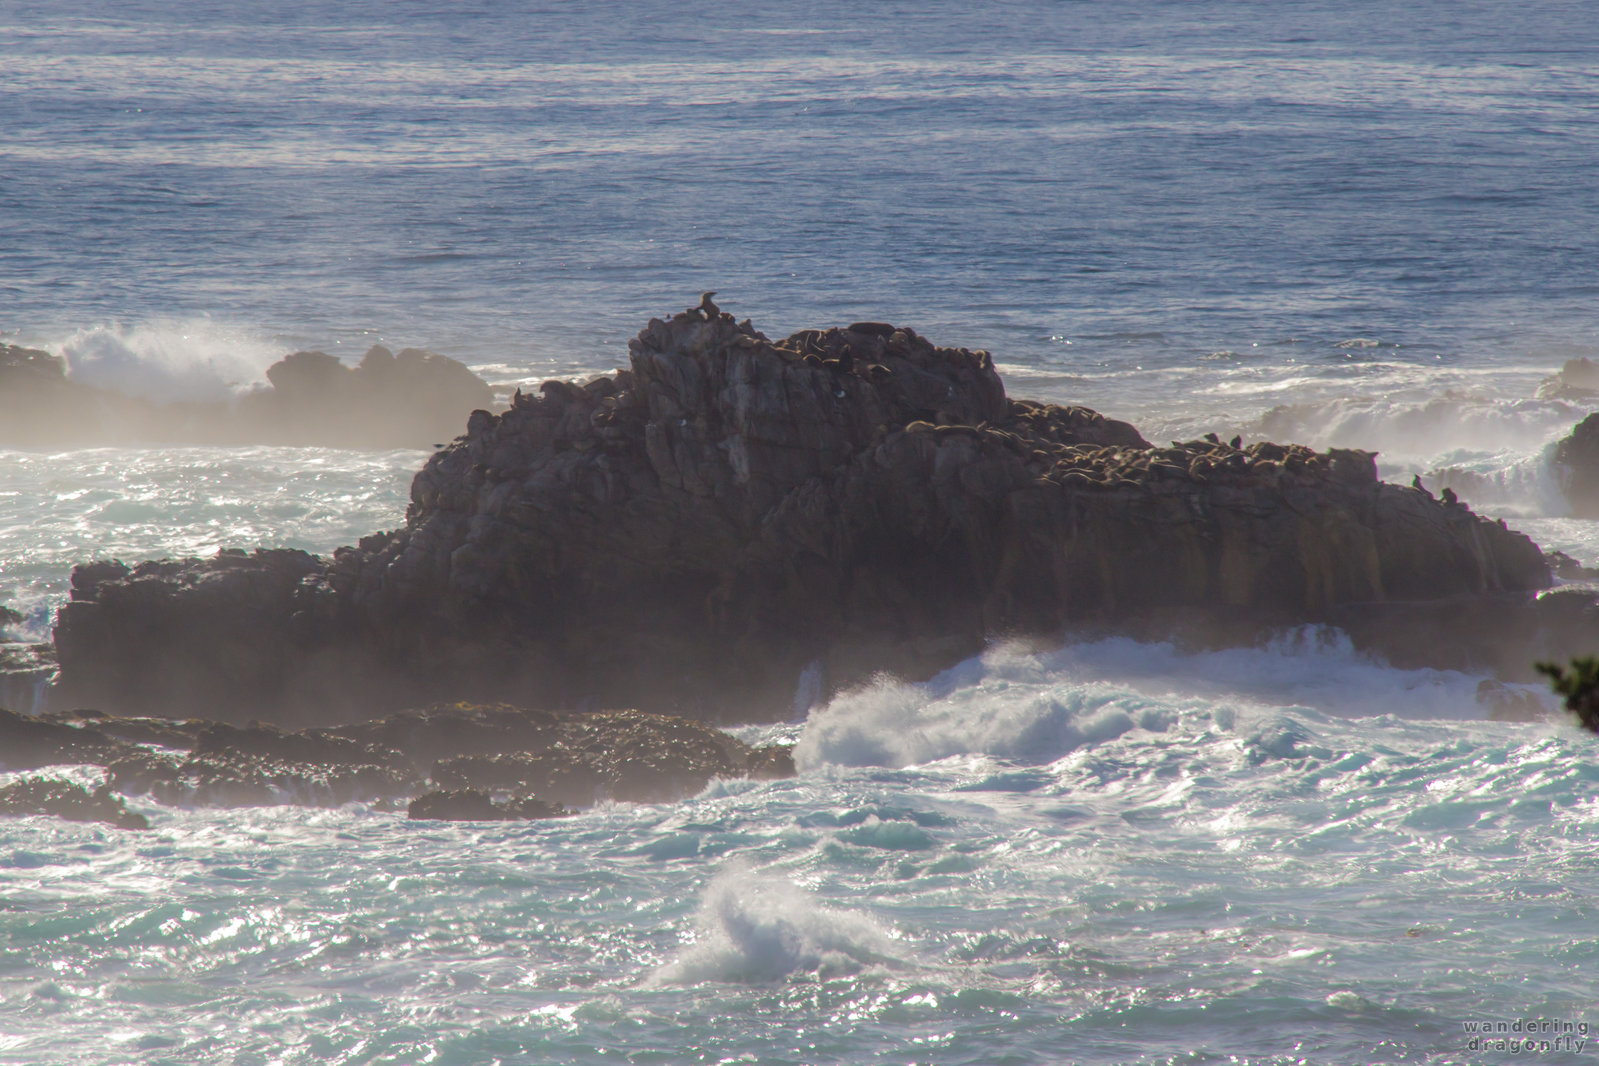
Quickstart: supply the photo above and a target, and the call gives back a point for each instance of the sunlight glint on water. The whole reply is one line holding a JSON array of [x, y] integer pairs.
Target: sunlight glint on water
[[1350, 225]]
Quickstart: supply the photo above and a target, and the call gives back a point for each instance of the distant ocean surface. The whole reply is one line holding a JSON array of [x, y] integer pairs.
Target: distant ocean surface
[[1353, 224]]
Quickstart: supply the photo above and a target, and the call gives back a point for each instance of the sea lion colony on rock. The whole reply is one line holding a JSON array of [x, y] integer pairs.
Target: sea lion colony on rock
[[693, 532]]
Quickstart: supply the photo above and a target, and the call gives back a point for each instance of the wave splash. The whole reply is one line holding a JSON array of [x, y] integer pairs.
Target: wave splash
[[1415, 433], [754, 928], [1038, 706], [170, 360]]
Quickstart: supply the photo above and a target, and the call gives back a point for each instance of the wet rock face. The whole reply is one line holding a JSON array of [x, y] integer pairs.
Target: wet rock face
[[542, 759], [692, 533], [624, 755], [472, 805], [63, 799], [1576, 463]]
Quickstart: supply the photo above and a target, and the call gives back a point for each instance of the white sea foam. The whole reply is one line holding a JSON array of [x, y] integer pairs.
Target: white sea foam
[[1421, 431], [170, 359], [753, 927], [1038, 706]]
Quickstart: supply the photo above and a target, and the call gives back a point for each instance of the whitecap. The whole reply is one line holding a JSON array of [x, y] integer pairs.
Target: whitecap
[[753, 927]]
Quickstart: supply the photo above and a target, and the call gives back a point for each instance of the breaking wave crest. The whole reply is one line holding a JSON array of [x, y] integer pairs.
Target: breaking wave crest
[[1420, 433], [1037, 706], [754, 928], [169, 360]]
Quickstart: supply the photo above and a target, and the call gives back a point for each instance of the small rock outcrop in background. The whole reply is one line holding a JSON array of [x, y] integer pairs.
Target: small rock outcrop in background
[[1575, 382], [410, 400], [693, 533]]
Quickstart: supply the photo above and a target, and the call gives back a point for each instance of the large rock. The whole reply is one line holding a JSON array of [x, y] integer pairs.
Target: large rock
[[731, 514], [411, 400], [1576, 464]]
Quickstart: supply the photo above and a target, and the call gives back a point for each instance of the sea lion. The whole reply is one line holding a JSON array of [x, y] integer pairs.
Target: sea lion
[[1214, 439], [563, 391], [1447, 494], [708, 308], [1415, 483], [1236, 442]]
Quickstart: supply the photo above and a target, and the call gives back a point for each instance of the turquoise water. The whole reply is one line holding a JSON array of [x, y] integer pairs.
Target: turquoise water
[[1170, 877], [1341, 224]]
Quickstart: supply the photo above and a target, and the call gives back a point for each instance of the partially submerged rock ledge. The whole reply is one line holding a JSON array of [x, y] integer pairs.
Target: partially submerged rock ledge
[[732, 514], [452, 760]]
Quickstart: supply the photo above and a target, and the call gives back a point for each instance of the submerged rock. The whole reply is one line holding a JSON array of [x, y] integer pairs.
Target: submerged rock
[[1504, 704], [63, 799], [471, 805], [409, 400], [696, 532], [624, 755], [568, 758]]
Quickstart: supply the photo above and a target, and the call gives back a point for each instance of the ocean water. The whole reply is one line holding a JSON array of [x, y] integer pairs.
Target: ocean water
[[1344, 224]]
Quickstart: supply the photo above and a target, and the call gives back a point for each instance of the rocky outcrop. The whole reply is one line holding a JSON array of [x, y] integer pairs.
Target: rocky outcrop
[[624, 755], [731, 513], [1577, 381], [411, 400], [561, 758], [63, 799], [472, 805], [1576, 465]]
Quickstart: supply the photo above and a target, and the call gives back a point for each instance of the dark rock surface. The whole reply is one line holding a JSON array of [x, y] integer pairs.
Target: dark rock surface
[[27, 743], [63, 799], [692, 533], [472, 805], [1565, 567], [565, 758], [625, 755], [1576, 463], [233, 778], [410, 400]]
